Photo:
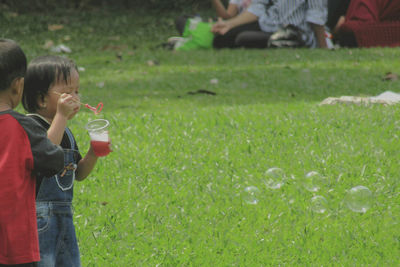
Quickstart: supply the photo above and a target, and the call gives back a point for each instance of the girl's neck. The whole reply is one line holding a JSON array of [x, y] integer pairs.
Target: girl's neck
[[40, 116], [49, 120]]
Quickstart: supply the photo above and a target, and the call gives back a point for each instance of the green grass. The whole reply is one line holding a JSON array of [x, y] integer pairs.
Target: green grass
[[172, 192]]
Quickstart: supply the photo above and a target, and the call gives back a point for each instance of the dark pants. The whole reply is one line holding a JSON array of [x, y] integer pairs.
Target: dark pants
[[347, 39], [336, 9], [247, 35]]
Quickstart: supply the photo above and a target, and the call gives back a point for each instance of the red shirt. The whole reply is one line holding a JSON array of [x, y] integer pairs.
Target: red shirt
[[374, 22], [373, 10], [24, 151]]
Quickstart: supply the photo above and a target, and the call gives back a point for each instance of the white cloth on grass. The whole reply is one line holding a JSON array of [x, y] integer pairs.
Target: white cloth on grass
[[385, 98]]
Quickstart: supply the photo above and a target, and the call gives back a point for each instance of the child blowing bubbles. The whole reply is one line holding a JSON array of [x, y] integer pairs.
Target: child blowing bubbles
[[51, 96]]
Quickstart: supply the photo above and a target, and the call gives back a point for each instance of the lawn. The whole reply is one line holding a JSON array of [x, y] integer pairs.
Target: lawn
[[187, 183]]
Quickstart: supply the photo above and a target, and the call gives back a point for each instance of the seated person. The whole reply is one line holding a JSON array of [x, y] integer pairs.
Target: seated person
[[196, 34], [253, 27], [369, 23]]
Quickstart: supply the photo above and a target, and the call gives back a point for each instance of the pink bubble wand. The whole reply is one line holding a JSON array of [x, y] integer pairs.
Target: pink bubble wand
[[96, 110]]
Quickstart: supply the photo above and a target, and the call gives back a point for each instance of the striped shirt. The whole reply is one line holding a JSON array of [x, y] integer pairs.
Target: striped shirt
[[273, 14]]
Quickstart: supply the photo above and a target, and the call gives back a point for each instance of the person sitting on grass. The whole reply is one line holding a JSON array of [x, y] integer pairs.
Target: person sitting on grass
[[195, 33], [51, 95], [25, 154], [254, 27], [369, 23]]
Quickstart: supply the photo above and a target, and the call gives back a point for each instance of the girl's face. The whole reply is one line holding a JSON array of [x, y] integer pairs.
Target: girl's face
[[48, 106]]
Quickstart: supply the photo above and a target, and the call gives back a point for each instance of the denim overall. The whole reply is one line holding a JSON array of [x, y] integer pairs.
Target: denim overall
[[57, 238]]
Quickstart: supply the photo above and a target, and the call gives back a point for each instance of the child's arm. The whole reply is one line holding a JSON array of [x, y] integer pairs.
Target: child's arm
[[223, 26], [86, 165], [225, 13], [48, 158], [67, 106]]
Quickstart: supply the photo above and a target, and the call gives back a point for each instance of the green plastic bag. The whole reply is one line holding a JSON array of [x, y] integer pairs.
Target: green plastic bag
[[196, 35]]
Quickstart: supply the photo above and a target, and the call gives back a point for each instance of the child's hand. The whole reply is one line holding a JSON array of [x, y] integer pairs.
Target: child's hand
[[68, 105], [100, 148], [220, 27]]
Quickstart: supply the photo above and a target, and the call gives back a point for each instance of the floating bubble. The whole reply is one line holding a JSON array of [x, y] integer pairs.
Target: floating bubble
[[359, 199], [251, 194], [275, 178], [314, 181], [319, 204]]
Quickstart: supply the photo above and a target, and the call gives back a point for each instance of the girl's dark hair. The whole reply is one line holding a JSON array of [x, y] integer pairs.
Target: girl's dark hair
[[12, 63], [42, 73]]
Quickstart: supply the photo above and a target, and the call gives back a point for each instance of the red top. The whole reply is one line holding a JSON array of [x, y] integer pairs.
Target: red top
[[373, 10], [18, 229], [374, 22]]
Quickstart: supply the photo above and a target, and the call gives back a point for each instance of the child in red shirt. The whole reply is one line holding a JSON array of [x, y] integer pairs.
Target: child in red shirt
[[25, 151]]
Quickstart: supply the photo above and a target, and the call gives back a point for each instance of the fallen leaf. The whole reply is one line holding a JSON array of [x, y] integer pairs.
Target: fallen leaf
[[13, 14], [214, 81], [100, 84], [114, 38], [61, 49], [55, 27], [114, 47], [201, 91], [389, 76], [48, 44], [119, 56], [153, 63]]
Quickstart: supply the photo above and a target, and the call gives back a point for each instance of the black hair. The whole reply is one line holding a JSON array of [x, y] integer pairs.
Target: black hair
[[42, 73], [12, 63]]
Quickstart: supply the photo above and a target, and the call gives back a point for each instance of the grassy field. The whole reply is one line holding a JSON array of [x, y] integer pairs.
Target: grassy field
[[187, 182]]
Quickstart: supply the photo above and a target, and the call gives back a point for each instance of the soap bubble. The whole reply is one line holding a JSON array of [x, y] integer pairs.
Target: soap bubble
[[314, 181], [250, 195], [359, 199], [275, 178], [319, 204]]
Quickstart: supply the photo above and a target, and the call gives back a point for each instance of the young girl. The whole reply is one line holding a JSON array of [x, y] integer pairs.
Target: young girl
[[51, 96]]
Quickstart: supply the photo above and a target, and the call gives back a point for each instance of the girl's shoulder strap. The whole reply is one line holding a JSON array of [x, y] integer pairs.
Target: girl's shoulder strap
[[70, 137]]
